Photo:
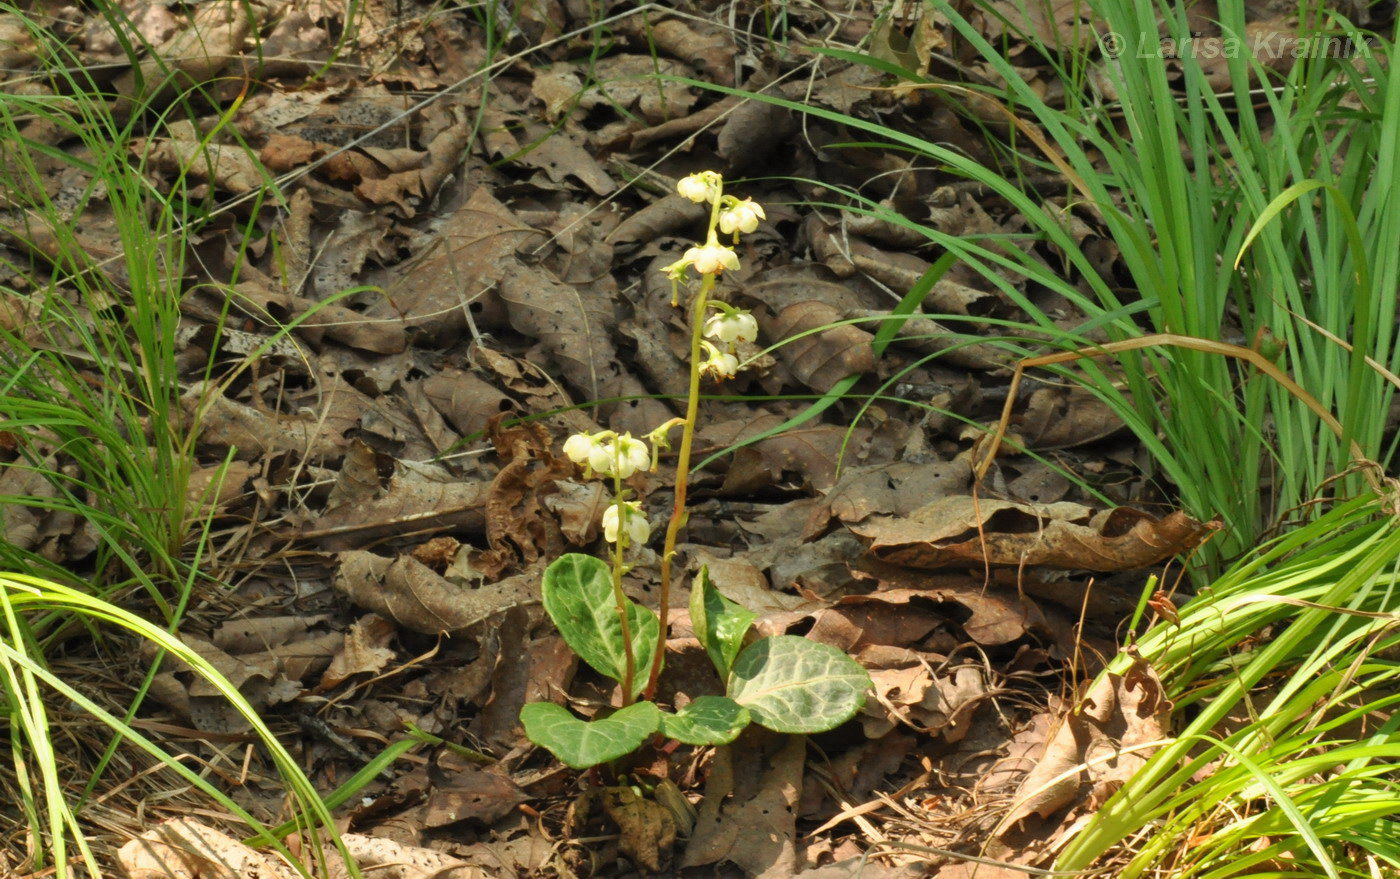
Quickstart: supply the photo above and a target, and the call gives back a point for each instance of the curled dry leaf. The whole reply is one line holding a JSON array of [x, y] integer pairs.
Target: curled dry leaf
[[253, 434], [518, 525], [408, 505], [1061, 418], [365, 650], [807, 454], [1097, 746], [970, 532], [408, 592], [466, 399], [922, 695]]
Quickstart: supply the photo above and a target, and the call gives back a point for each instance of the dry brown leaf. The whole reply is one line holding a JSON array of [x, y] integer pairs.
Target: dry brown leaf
[[821, 359], [365, 650], [672, 215], [806, 455], [971, 532], [409, 505], [409, 593], [751, 134], [252, 434], [561, 157], [639, 81], [895, 489], [228, 166], [748, 815], [475, 794], [705, 47], [518, 526], [1061, 418], [921, 694], [994, 614], [1097, 746], [647, 828], [214, 38], [187, 849], [387, 859]]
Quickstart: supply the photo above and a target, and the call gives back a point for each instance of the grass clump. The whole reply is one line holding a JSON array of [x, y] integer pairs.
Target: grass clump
[[96, 451]]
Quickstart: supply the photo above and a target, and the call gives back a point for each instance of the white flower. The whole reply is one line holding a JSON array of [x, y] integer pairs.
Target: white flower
[[621, 457], [638, 529], [578, 447], [711, 259], [699, 188], [742, 217], [719, 364], [632, 455], [736, 326]]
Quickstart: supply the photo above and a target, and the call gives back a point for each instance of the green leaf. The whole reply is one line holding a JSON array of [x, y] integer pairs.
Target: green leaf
[[578, 595], [793, 685], [719, 623], [581, 743], [709, 720]]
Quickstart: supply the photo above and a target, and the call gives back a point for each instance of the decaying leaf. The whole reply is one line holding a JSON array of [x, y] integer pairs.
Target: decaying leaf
[[1098, 745], [970, 532], [748, 814], [188, 849], [409, 593], [647, 829]]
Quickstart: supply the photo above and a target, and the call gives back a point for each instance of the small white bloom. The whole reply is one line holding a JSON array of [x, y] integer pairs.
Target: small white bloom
[[600, 459], [719, 364], [578, 447], [738, 326], [699, 188], [742, 217], [620, 457], [711, 259], [632, 455], [638, 528]]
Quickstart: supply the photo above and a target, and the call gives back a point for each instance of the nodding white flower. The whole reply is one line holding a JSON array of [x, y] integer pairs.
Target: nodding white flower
[[621, 457], [711, 259], [699, 188], [578, 447], [629, 512], [731, 327], [719, 364], [741, 217]]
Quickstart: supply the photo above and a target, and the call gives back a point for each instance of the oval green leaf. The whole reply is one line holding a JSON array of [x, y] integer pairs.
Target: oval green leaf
[[581, 743], [578, 596], [709, 720], [719, 623], [793, 685]]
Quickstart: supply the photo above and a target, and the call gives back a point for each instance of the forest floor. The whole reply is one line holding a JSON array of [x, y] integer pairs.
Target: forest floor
[[467, 231]]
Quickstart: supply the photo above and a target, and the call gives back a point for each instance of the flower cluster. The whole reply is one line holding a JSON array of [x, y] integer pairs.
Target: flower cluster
[[729, 325], [608, 454], [717, 336]]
